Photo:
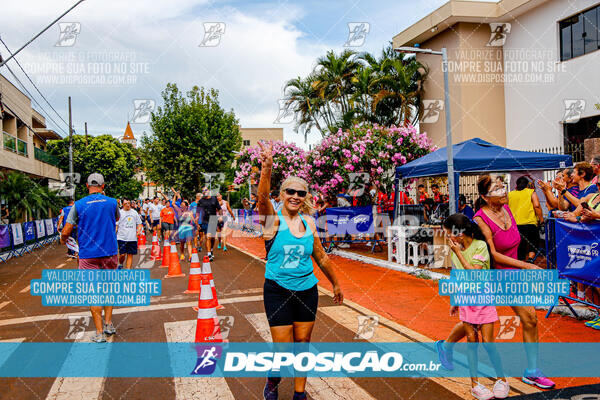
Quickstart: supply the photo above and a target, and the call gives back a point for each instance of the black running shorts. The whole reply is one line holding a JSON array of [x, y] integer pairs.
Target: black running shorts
[[284, 306]]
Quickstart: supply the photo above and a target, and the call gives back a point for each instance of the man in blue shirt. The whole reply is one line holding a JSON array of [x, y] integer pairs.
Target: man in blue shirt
[[96, 216]]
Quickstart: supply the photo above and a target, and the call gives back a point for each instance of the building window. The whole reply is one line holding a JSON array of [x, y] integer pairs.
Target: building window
[[579, 34], [246, 143]]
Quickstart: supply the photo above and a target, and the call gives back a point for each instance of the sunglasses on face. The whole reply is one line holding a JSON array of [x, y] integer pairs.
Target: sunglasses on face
[[300, 193]]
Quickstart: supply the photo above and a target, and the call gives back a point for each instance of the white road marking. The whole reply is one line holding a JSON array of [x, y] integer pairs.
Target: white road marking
[[209, 388], [4, 304], [125, 310], [61, 265], [25, 289], [15, 340], [65, 388], [317, 387]]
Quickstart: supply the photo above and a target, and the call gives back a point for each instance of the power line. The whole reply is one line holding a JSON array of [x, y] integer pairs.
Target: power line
[[33, 99], [34, 85]]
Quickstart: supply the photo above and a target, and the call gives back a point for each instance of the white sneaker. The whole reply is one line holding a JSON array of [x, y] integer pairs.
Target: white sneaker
[[343, 245], [480, 392], [501, 389]]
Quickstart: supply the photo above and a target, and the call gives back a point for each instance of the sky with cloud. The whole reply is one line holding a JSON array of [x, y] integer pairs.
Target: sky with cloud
[[121, 51]]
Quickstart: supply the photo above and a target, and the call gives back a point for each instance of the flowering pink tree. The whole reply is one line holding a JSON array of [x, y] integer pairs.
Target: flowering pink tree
[[362, 150], [288, 159]]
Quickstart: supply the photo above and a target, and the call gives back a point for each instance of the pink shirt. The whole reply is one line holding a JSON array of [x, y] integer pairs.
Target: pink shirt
[[506, 242]]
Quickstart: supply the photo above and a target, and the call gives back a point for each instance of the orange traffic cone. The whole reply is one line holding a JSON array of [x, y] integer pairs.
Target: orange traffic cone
[[195, 274], [143, 235], [207, 274], [165, 257], [140, 242], [155, 253], [207, 326], [174, 266]]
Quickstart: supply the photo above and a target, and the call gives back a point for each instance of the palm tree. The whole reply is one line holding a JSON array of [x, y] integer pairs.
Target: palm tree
[[23, 196]]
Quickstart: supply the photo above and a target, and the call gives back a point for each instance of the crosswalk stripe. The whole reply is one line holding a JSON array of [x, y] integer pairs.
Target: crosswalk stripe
[[79, 388], [25, 289], [4, 304], [317, 387], [208, 388], [126, 310]]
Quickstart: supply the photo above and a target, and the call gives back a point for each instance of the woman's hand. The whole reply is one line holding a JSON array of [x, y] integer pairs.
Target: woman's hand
[[266, 154], [559, 184], [338, 296], [455, 246], [543, 185]]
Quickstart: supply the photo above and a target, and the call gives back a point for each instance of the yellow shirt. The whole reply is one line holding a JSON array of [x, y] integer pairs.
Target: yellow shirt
[[520, 204]]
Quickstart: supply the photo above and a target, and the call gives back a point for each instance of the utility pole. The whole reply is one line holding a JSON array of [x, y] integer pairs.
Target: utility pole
[[85, 125], [71, 148]]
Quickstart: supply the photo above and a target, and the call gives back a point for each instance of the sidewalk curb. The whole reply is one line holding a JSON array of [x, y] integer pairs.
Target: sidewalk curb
[[583, 312], [415, 271]]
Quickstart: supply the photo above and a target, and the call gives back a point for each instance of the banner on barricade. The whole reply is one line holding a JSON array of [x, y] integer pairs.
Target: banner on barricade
[[28, 231], [49, 226], [40, 228], [350, 220], [4, 236], [578, 251], [17, 234]]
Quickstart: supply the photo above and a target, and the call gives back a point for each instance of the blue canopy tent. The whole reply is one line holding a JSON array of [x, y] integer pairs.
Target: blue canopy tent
[[478, 156]]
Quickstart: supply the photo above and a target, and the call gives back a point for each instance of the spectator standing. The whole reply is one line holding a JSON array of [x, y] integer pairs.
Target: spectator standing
[[62, 219], [464, 208], [422, 194], [582, 176], [525, 207], [129, 227], [96, 216]]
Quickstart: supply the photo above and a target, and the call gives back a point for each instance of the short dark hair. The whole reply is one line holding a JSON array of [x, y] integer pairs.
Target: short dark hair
[[586, 168], [421, 186], [435, 185], [462, 199], [522, 183]]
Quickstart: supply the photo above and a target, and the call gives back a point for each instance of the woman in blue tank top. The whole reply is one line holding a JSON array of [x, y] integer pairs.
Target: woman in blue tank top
[[291, 240]]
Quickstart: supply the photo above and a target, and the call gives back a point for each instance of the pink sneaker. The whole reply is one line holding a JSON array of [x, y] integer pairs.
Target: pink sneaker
[[501, 389], [480, 392], [538, 379]]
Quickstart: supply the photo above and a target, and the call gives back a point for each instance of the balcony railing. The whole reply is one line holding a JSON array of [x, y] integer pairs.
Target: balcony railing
[[14, 144], [42, 156]]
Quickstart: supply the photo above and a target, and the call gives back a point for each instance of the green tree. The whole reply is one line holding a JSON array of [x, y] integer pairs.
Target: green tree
[[351, 88], [25, 197], [191, 135], [104, 154]]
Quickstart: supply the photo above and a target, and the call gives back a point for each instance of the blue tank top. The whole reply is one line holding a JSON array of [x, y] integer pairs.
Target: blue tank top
[[96, 221], [289, 260]]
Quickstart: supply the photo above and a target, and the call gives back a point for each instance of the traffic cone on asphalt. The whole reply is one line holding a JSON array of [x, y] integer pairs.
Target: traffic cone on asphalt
[[141, 242], [165, 257], [155, 253], [174, 266], [207, 274], [207, 325], [195, 274]]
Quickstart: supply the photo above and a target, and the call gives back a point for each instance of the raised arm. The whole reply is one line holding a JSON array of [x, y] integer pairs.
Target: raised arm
[[265, 208], [537, 207]]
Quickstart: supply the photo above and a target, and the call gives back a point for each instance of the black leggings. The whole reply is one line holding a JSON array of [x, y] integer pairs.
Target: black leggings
[[530, 240], [284, 306]]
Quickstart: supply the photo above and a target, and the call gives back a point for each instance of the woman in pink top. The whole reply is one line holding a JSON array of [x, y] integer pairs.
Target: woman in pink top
[[500, 230]]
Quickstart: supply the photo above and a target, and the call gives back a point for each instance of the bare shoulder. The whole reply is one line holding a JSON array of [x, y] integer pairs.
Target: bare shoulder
[[310, 222]]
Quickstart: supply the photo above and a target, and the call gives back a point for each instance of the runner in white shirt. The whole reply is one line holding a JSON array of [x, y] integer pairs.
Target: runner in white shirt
[[145, 214], [129, 226], [154, 213]]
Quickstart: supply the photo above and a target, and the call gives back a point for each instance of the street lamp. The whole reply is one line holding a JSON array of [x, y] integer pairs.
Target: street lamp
[[450, 157]]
